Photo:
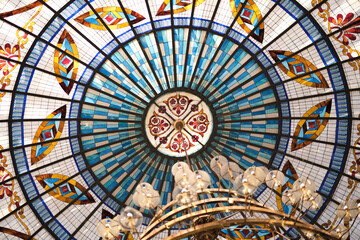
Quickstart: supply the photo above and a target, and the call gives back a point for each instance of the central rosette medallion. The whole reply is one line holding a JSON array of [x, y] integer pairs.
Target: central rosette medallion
[[177, 122]]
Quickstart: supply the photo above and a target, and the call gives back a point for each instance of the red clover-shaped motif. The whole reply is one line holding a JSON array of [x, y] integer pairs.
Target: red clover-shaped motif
[[179, 107]]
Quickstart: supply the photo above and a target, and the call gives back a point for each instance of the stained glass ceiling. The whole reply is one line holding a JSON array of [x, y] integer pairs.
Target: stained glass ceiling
[[91, 92]]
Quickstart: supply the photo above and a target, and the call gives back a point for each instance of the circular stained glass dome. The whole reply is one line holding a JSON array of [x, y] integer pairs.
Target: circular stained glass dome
[[95, 93]]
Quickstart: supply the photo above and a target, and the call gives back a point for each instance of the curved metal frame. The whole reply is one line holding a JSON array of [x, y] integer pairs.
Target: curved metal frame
[[166, 219]]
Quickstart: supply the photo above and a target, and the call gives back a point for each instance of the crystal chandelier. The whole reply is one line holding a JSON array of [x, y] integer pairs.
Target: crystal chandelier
[[201, 213]]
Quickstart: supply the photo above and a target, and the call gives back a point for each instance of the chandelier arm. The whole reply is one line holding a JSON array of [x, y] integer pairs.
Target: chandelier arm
[[225, 223], [282, 218], [186, 154], [158, 218], [279, 228], [337, 225], [301, 206], [271, 191], [350, 226], [273, 235]]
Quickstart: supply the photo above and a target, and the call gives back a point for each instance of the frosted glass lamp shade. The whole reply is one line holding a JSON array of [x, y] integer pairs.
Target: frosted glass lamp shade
[[175, 192], [230, 172], [347, 210], [179, 166], [341, 232], [218, 163], [314, 202], [129, 219], [243, 187], [238, 181], [150, 200], [304, 184], [135, 198], [291, 197], [255, 175], [108, 228], [144, 188], [266, 171], [275, 179]]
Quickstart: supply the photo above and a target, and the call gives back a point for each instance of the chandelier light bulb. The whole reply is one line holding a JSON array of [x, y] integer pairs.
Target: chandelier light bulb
[[186, 196], [314, 203], [202, 180], [291, 197], [304, 184], [309, 234], [242, 186], [150, 200]]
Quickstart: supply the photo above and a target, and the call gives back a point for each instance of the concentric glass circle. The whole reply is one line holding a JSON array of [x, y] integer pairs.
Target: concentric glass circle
[[78, 79], [142, 116]]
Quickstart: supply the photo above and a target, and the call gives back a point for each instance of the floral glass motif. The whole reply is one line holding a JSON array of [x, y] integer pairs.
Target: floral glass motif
[[5, 188], [311, 128], [178, 104], [249, 18], [112, 17], [48, 130], [11, 53], [198, 123], [8, 190], [65, 65], [340, 22], [178, 6], [158, 125], [344, 36], [65, 191], [297, 65], [179, 143], [173, 107]]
